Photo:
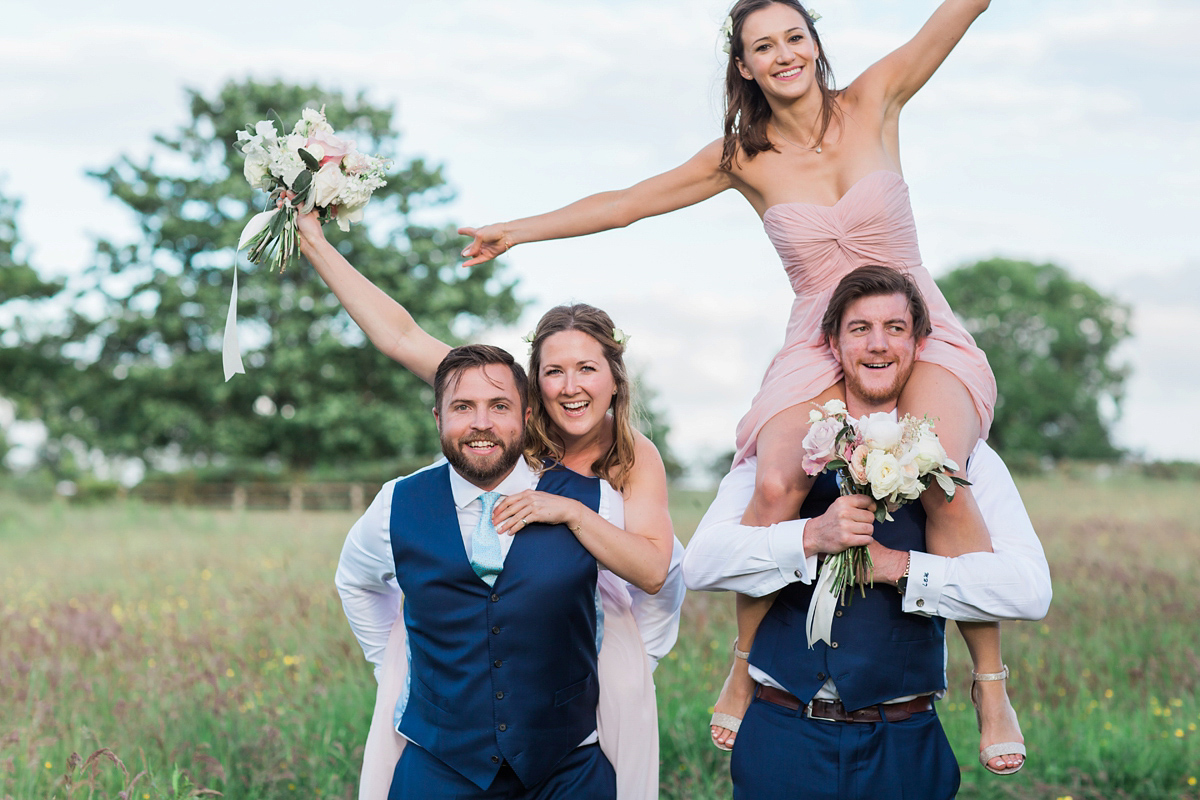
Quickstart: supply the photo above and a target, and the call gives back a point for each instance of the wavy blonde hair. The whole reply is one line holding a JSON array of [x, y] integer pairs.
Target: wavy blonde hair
[[541, 439]]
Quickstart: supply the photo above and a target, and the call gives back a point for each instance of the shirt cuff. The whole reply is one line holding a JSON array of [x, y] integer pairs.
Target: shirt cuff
[[926, 579], [786, 540]]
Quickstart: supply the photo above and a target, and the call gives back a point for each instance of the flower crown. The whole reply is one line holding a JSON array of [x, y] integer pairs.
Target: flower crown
[[727, 29]]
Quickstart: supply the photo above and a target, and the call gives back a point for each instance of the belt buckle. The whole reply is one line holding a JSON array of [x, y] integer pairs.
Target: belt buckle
[[808, 712]]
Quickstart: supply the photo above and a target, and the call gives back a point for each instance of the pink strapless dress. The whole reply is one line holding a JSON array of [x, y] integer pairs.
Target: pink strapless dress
[[819, 245]]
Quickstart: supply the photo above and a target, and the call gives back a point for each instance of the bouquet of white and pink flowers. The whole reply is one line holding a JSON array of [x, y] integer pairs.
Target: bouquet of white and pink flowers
[[322, 171], [891, 460]]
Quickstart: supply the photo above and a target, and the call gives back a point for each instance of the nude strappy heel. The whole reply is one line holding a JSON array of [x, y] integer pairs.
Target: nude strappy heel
[[720, 718], [1001, 748]]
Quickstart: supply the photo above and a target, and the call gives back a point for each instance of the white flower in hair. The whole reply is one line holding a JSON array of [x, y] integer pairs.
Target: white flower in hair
[[620, 336], [727, 35], [813, 15]]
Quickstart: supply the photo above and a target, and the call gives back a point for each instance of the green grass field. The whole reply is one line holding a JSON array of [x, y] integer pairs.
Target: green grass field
[[172, 652]]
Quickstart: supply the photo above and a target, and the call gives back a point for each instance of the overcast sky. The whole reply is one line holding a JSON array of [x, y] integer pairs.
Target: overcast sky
[[1065, 131]]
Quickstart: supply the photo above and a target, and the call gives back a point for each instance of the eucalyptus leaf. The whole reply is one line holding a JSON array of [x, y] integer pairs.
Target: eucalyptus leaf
[[303, 181], [308, 160]]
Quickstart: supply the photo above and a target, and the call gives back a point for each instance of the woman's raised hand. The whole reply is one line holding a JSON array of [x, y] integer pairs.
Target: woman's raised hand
[[489, 242], [308, 225]]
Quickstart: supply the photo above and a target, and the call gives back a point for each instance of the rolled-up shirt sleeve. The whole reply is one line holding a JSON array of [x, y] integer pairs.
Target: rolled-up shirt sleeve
[[724, 555], [366, 579], [1010, 583]]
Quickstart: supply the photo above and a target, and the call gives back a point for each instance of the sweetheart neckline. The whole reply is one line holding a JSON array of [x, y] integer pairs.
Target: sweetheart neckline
[[849, 191]]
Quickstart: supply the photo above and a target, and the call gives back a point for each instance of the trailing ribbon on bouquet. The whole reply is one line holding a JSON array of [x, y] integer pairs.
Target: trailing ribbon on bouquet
[[231, 354], [891, 461], [819, 623]]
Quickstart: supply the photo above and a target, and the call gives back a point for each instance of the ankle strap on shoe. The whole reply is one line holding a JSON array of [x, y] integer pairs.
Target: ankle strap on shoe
[[984, 676]]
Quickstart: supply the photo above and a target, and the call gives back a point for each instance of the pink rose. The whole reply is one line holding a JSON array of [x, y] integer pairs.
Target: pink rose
[[819, 444], [335, 148], [858, 464]]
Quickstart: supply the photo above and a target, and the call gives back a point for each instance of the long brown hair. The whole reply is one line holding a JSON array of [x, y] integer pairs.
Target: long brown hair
[[540, 439], [746, 109]]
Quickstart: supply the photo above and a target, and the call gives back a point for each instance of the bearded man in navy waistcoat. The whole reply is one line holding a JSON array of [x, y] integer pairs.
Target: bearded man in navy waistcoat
[[853, 718], [502, 631]]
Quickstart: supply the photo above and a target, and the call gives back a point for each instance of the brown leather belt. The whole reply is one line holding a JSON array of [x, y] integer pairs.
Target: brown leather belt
[[836, 712]]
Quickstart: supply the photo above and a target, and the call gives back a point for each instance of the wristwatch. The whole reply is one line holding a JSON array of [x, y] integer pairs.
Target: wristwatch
[[902, 581]]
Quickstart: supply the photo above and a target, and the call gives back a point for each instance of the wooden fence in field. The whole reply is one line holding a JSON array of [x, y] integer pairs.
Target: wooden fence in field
[[295, 497]]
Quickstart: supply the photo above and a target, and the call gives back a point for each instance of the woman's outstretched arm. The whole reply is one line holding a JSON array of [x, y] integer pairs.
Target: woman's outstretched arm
[[899, 75], [386, 323], [697, 179]]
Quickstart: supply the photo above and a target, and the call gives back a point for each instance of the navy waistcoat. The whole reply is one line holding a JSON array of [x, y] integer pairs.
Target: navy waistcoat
[[501, 673], [878, 652]]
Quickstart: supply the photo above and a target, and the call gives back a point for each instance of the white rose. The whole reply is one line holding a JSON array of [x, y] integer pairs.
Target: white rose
[[265, 130], [880, 431], [327, 185], [883, 473], [257, 172], [910, 479], [929, 453]]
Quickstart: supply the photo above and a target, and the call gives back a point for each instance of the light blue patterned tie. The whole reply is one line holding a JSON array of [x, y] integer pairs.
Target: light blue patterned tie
[[485, 543]]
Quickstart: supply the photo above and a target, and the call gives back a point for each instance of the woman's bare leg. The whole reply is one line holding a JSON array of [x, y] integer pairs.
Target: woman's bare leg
[[957, 527], [780, 486]]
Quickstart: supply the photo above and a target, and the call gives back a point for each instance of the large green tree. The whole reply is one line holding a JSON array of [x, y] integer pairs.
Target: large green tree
[[140, 354], [1050, 339], [22, 291]]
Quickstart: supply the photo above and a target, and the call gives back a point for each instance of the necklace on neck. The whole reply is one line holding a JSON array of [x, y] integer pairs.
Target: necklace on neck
[[816, 149]]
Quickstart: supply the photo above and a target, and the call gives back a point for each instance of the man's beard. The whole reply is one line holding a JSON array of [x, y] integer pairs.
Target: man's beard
[[482, 470], [880, 395]]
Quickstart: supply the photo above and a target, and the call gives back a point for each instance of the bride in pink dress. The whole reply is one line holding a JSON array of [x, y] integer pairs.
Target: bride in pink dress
[[821, 167]]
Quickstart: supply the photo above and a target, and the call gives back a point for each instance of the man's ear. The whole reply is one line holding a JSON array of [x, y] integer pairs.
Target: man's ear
[[437, 419], [921, 342], [528, 414], [833, 348]]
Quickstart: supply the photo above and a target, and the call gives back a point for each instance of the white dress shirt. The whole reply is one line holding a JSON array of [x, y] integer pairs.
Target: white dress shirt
[[1010, 583], [371, 597]]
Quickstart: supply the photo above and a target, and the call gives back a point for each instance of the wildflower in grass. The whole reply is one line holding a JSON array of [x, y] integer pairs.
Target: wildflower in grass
[[1179, 733], [49, 765], [1191, 780], [229, 673], [1108, 693]]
